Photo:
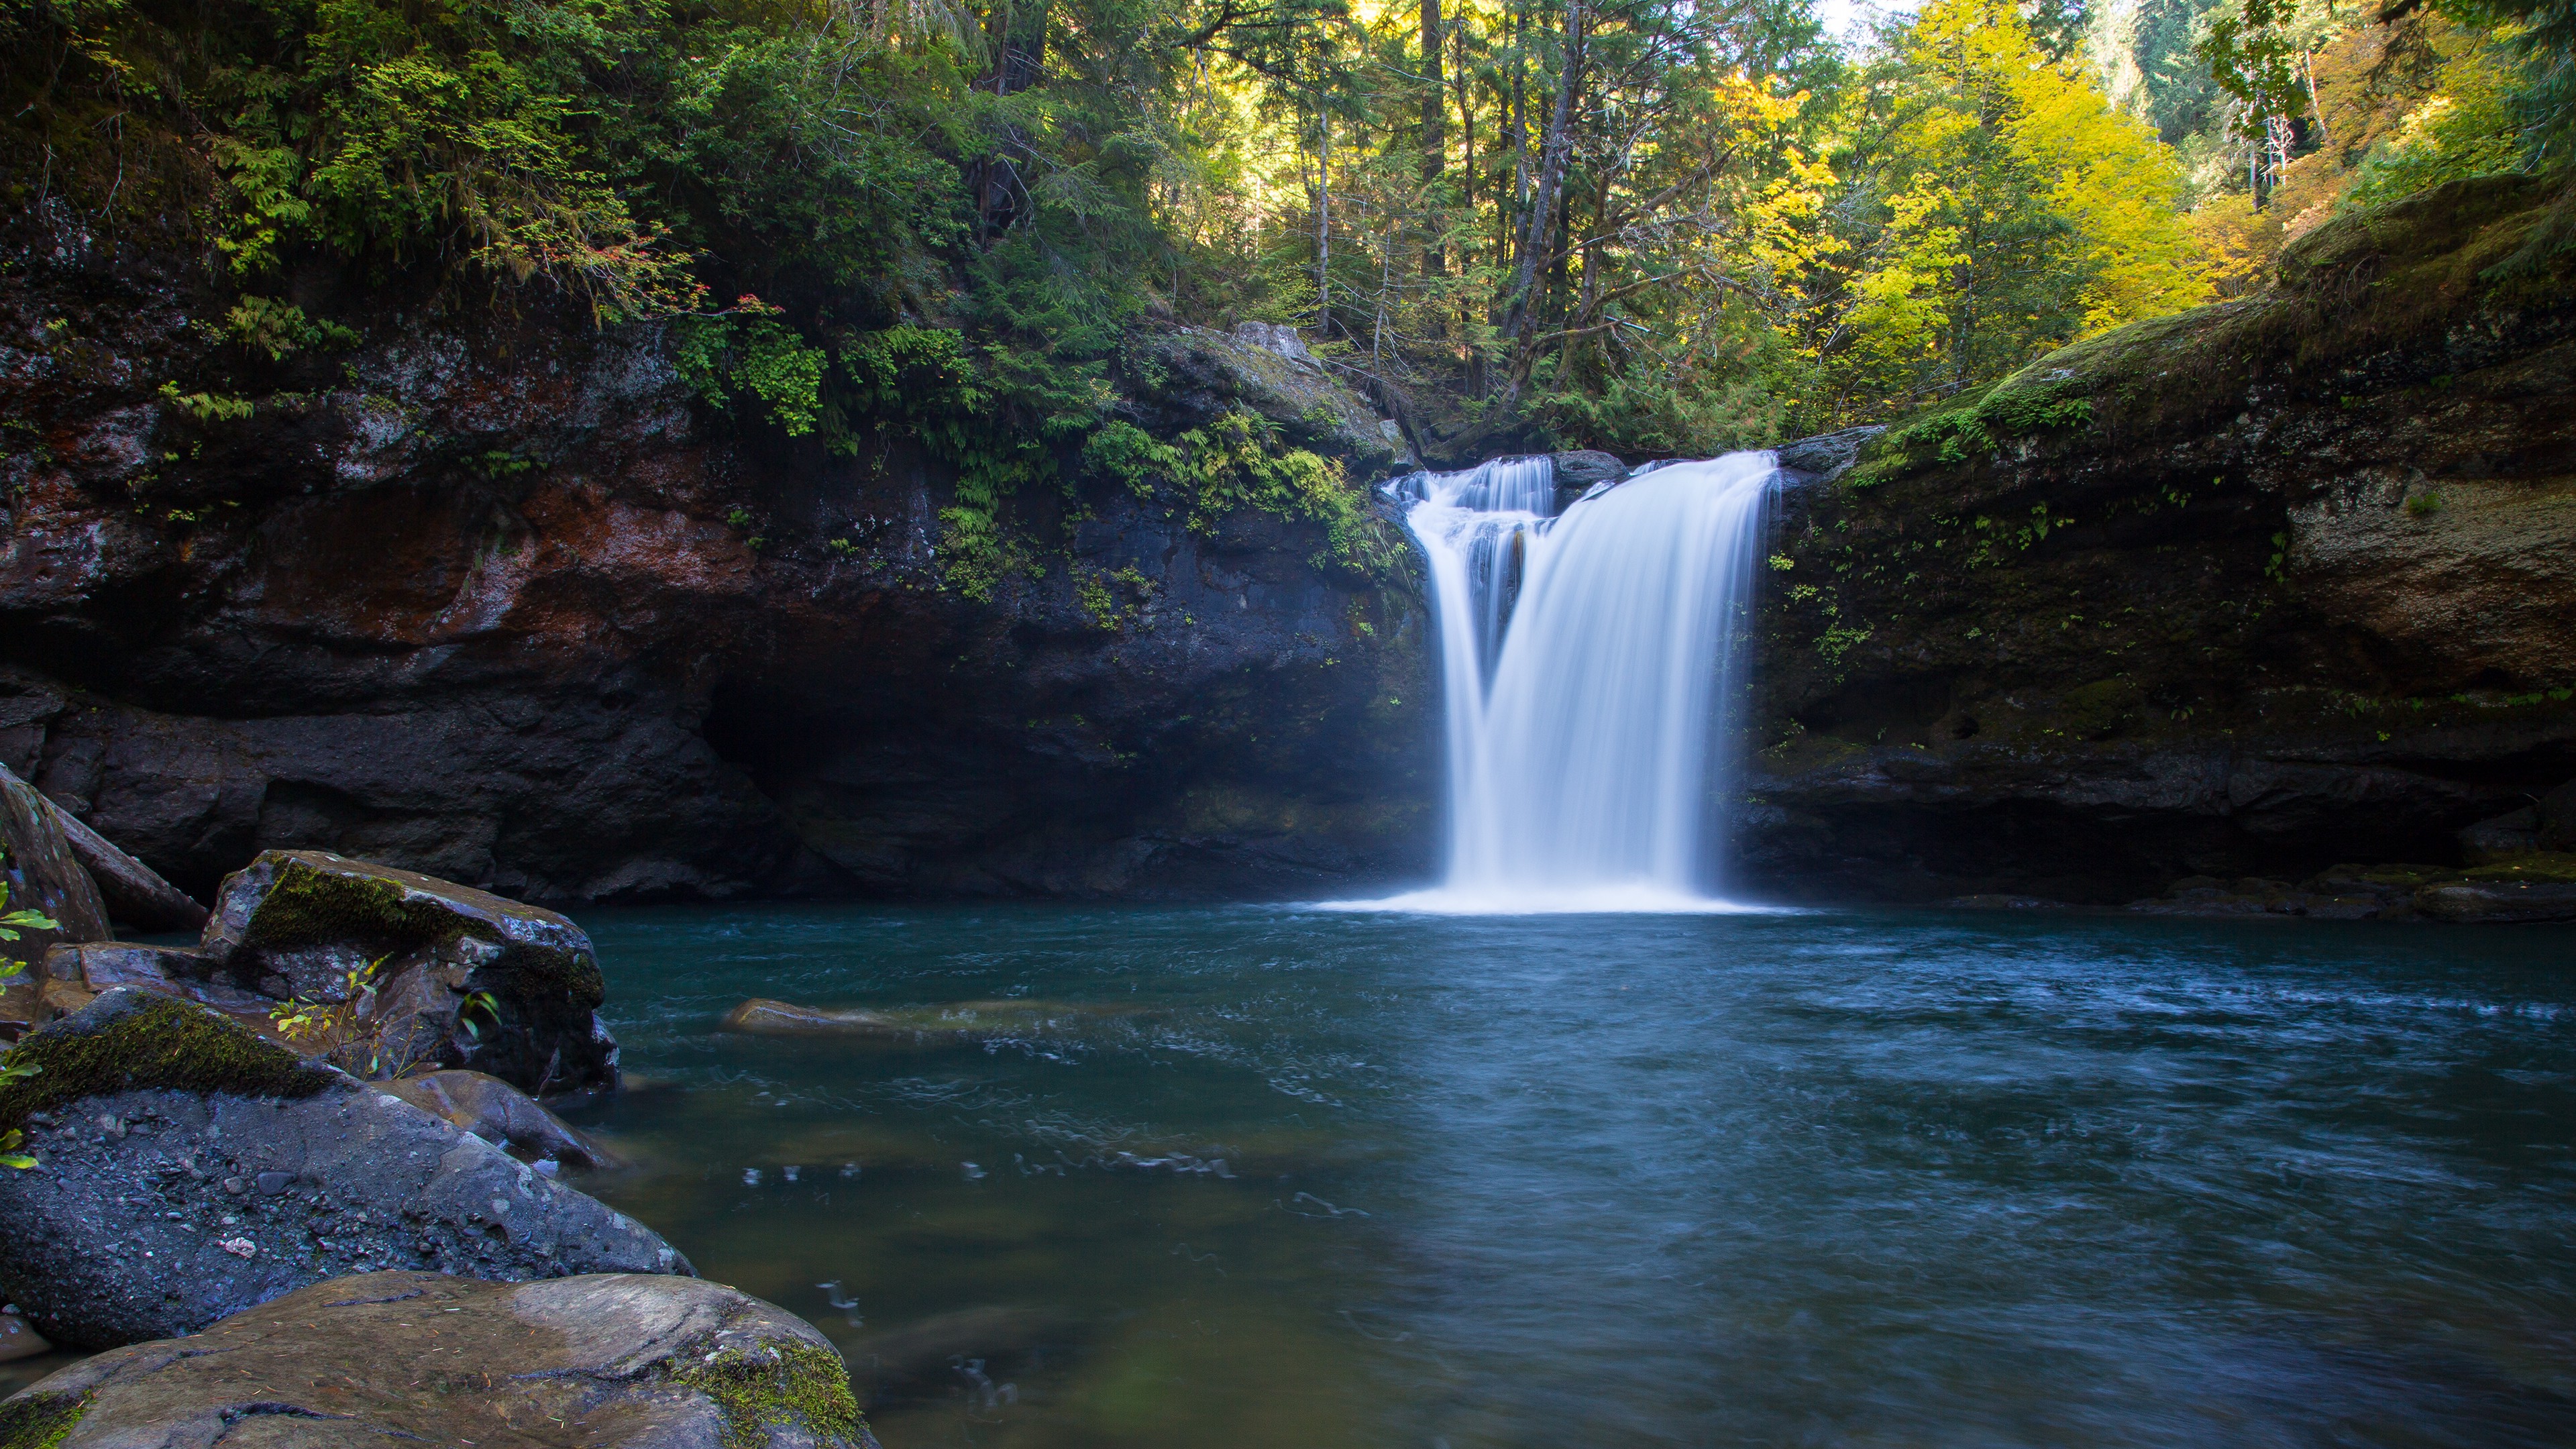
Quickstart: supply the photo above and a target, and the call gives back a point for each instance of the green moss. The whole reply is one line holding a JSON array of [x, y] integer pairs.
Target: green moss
[[151, 1042], [40, 1421], [779, 1386], [306, 906], [2023, 404], [2552, 867], [309, 907], [2097, 710]]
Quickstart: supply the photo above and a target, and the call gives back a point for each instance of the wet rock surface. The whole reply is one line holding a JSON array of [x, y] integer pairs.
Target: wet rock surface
[[609, 1360], [2246, 592], [190, 1170]]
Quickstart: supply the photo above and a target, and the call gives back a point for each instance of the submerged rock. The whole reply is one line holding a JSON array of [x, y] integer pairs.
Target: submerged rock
[[612, 1361], [463, 977], [2499, 902], [927, 1359], [19, 1338], [962, 1021], [189, 1169]]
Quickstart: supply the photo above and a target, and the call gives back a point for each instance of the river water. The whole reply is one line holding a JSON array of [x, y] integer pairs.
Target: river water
[[1317, 1178]]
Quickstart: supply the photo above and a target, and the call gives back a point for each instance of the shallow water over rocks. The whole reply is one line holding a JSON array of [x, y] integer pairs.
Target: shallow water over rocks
[[1823, 1178]]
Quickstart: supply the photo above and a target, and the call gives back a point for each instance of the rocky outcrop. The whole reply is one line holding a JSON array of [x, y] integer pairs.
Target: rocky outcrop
[[189, 1170], [613, 1361], [134, 893], [499, 601], [2257, 590]]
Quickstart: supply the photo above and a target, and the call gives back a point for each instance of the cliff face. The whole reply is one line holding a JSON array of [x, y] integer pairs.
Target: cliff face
[[2280, 583], [492, 600], [2277, 584]]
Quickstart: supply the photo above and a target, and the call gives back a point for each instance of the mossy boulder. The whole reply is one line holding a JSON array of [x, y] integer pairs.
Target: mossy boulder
[[615, 1361], [1197, 373], [461, 977], [187, 1170], [131, 1040], [298, 915]]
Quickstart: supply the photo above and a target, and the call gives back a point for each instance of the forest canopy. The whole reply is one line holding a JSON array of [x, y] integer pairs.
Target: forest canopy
[[1656, 226]]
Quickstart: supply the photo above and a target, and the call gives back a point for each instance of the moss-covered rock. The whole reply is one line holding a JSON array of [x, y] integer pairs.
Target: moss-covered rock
[[298, 914], [141, 1041], [1203, 373], [188, 1170], [460, 977], [604, 1360]]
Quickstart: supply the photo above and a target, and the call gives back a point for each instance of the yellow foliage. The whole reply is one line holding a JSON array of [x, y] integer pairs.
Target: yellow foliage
[[2023, 212]]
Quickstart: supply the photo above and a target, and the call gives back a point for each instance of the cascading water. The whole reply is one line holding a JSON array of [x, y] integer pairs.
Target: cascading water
[[1590, 665]]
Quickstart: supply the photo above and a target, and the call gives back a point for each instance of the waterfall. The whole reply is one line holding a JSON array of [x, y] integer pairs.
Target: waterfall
[[1590, 666]]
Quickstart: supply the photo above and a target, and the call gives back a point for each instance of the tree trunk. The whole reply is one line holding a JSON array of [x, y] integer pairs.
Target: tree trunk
[[1435, 145], [1324, 224], [1539, 235]]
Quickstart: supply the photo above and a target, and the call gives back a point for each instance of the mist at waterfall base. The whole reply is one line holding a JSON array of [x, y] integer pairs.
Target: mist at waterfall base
[[1590, 668]]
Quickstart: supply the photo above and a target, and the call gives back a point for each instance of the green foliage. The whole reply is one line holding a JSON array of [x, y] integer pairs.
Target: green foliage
[[207, 407], [748, 353], [1236, 462], [2009, 211], [1128, 454], [281, 329], [2469, 126]]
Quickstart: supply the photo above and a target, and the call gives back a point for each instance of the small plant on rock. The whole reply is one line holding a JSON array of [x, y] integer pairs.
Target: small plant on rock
[[350, 1031], [11, 924]]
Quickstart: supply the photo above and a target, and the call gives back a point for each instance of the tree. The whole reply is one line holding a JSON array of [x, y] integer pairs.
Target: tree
[[2007, 210]]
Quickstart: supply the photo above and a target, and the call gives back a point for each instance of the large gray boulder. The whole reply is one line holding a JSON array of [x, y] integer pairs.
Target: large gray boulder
[[610, 1361], [188, 1169], [463, 978]]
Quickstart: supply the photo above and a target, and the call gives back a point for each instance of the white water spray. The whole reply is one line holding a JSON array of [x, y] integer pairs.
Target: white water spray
[[1591, 668]]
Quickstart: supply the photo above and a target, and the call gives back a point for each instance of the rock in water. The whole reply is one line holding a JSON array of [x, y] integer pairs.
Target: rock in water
[[463, 977], [501, 1115], [189, 1170], [616, 1361], [961, 1021]]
